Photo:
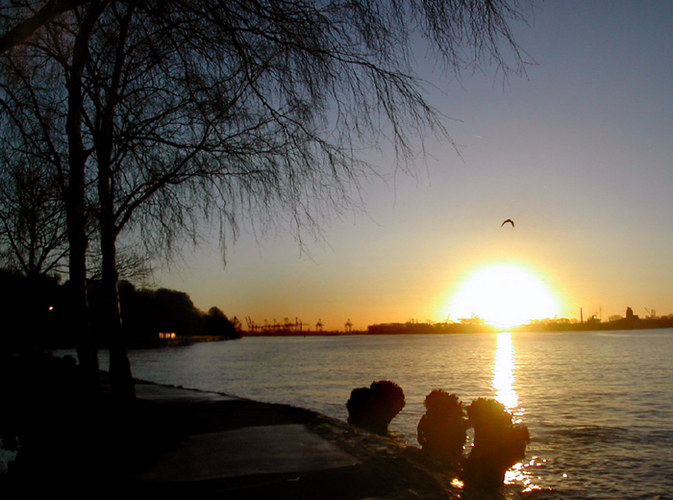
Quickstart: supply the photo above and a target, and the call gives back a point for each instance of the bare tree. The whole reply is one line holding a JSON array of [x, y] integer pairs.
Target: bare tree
[[32, 222], [20, 20], [41, 98], [34, 236], [184, 112]]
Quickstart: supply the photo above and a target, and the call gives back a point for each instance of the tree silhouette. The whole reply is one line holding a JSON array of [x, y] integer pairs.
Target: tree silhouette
[[179, 112], [32, 221], [19, 23]]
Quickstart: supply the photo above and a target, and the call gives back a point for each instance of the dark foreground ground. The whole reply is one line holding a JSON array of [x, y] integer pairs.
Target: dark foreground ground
[[172, 443]]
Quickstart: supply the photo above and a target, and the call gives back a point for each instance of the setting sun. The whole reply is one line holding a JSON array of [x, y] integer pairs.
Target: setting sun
[[503, 295]]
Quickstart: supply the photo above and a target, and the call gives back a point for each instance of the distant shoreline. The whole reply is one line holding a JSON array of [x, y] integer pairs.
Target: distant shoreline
[[413, 328]]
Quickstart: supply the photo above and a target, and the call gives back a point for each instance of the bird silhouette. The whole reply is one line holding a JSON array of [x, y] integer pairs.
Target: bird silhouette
[[506, 221]]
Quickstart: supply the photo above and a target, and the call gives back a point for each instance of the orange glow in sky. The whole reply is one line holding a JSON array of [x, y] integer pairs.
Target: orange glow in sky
[[504, 295], [577, 153]]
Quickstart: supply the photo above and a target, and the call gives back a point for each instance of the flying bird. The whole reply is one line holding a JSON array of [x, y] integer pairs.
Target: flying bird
[[506, 221]]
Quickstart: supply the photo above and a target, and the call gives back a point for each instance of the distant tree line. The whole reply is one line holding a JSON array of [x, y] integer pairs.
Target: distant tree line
[[477, 325], [35, 314], [413, 327], [632, 322]]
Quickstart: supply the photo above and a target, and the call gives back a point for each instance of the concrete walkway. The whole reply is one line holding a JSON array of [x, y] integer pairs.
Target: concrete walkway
[[188, 444], [250, 450], [226, 447]]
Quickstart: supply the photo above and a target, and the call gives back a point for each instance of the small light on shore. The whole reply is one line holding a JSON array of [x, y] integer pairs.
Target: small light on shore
[[457, 483]]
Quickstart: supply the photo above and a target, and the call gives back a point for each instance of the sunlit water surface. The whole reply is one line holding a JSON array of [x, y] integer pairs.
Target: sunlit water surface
[[599, 405]]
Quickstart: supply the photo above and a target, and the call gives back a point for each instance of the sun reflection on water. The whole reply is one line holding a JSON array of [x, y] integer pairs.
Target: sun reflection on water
[[523, 473], [503, 373], [503, 385]]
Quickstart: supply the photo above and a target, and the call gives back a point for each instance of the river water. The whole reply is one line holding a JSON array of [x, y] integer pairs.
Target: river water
[[598, 405]]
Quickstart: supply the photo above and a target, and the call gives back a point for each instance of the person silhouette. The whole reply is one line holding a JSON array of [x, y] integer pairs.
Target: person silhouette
[[373, 407], [499, 443], [442, 429]]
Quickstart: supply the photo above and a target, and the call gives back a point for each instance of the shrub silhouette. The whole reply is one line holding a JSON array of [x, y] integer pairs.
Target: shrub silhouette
[[498, 444], [373, 407], [442, 429]]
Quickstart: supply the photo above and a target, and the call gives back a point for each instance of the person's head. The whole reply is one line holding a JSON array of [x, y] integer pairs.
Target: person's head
[[375, 406], [488, 415], [440, 399]]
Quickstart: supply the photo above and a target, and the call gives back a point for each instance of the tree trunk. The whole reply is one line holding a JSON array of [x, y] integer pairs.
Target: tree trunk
[[120, 369], [79, 309], [121, 378], [75, 207], [123, 388]]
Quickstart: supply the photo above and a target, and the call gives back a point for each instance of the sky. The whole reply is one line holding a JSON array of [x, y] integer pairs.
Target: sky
[[578, 153]]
